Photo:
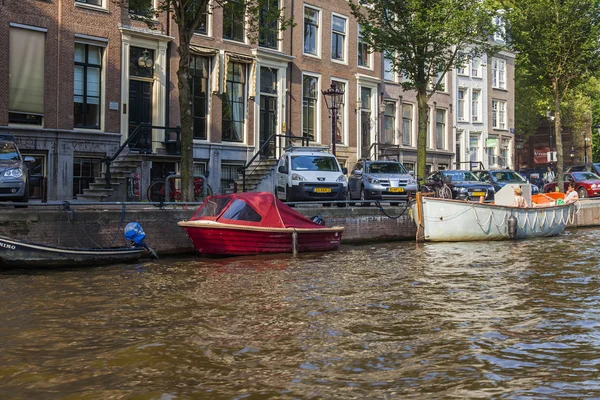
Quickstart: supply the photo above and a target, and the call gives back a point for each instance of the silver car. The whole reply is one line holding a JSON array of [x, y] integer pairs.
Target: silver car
[[380, 180], [14, 178]]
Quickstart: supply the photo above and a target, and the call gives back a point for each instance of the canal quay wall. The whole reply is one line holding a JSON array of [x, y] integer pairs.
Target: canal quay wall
[[99, 226]]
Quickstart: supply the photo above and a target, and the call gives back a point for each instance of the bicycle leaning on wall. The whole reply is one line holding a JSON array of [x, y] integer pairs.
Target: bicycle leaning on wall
[[156, 191]]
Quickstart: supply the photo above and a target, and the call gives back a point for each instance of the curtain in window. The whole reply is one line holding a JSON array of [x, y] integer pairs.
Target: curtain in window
[[26, 76]]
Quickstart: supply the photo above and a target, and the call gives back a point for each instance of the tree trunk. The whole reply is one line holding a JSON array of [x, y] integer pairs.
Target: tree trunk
[[185, 107], [422, 134], [558, 136]]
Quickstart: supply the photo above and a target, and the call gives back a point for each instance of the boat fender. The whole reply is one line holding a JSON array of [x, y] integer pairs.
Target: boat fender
[[318, 220], [511, 223]]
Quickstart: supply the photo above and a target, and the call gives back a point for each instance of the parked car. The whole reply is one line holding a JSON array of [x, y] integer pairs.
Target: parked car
[[587, 184], [463, 185], [14, 176], [380, 180], [500, 177], [535, 176], [310, 174], [592, 167]]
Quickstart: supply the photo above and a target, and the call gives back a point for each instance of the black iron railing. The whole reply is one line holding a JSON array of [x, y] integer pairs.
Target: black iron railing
[[141, 139], [265, 153]]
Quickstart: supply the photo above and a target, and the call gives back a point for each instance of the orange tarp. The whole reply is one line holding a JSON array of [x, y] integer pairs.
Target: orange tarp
[[547, 198]]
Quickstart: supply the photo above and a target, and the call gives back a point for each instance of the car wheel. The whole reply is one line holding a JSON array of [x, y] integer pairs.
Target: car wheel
[[363, 198], [349, 198], [25, 198], [288, 196], [582, 193]]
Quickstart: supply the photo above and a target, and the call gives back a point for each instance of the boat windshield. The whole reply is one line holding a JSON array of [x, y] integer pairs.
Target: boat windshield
[[8, 151], [213, 206], [585, 176], [507, 176], [314, 163], [385, 168], [459, 176], [239, 210]]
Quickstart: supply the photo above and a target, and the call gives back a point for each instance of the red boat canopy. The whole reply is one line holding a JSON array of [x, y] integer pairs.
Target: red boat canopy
[[253, 209]]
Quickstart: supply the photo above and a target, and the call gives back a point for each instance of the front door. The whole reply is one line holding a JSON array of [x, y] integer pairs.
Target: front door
[[140, 111], [268, 110]]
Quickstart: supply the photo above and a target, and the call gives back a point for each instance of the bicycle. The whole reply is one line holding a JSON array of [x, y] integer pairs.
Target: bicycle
[[156, 191]]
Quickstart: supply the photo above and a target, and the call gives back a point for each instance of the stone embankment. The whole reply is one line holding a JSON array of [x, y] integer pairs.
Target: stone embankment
[[101, 226]]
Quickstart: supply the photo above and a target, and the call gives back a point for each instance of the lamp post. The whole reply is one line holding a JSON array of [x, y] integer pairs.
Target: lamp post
[[586, 140], [551, 120], [336, 97]]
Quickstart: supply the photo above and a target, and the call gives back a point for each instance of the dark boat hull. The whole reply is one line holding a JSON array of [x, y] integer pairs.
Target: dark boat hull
[[219, 241], [17, 254]]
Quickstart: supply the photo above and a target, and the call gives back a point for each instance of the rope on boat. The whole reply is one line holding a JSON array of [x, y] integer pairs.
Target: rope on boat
[[391, 216]]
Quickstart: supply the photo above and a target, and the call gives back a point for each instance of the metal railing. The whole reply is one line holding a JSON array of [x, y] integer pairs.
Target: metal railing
[[262, 152], [141, 139]]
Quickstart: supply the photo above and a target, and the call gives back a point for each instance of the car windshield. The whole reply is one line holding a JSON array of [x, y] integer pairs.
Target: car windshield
[[385, 168], [507, 176], [585, 176], [459, 176], [8, 151], [314, 163]]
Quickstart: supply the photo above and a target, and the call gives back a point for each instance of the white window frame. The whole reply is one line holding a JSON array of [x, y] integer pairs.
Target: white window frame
[[475, 157], [318, 135], [102, 7], [498, 73], [344, 59], [388, 75], [460, 104], [411, 136], [476, 106], [501, 29], [444, 123], [318, 34], [209, 22], [499, 114], [475, 66]]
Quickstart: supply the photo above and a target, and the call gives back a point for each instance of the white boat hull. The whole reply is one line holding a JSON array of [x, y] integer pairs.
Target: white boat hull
[[456, 221]]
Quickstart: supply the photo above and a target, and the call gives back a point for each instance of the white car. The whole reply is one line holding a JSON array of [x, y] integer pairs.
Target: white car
[[310, 174]]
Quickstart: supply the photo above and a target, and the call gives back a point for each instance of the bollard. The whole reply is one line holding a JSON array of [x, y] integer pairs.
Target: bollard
[[295, 243]]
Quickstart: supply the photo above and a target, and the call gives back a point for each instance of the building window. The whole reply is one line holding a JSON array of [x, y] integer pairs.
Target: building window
[[90, 2], [500, 32], [365, 120], [499, 73], [462, 70], [85, 171], [26, 85], [309, 106], [338, 38], [88, 64], [441, 86], [269, 17], [490, 148], [234, 106], [473, 147], [460, 109], [407, 123], [440, 128], [142, 8], [498, 114], [364, 57], [341, 114], [202, 27], [389, 123], [475, 67], [234, 12], [311, 31], [229, 173], [388, 69], [199, 75], [504, 153], [475, 106]]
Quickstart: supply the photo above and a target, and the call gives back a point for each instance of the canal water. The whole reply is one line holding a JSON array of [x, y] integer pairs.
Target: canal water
[[387, 321]]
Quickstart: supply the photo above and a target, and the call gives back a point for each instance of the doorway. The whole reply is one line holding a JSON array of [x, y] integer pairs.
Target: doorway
[[140, 111]]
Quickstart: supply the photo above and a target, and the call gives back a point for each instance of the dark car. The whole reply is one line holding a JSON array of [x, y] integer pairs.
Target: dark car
[[593, 167], [535, 176], [500, 177], [14, 177], [463, 185], [587, 184]]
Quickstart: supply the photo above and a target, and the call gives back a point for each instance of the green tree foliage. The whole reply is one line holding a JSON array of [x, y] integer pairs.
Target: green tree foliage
[[425, 39], [530, 103], [558, 43], [187, 15]]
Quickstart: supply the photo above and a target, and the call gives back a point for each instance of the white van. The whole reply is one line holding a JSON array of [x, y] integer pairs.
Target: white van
[[310, 174]]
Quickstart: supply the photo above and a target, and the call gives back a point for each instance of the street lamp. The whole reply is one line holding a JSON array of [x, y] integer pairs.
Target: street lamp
[[551, 120], [336, 98], [586, 140], [572, 154]]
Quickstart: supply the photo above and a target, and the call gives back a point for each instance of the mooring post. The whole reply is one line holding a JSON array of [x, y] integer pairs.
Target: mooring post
[[295, 242]]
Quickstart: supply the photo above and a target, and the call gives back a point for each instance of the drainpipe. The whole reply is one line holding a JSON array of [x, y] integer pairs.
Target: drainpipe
[[168, 69]]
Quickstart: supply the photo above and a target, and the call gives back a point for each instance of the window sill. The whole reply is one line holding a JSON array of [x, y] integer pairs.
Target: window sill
[[92, 7], [342, 62], [365, 67], [500, 89], [233, 41], [312, 55]]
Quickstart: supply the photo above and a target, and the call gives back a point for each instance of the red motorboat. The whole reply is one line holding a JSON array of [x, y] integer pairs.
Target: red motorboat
[[255, 223]]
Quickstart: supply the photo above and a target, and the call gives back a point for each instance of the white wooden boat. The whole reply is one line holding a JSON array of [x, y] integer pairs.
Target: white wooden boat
[[444, 220]]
